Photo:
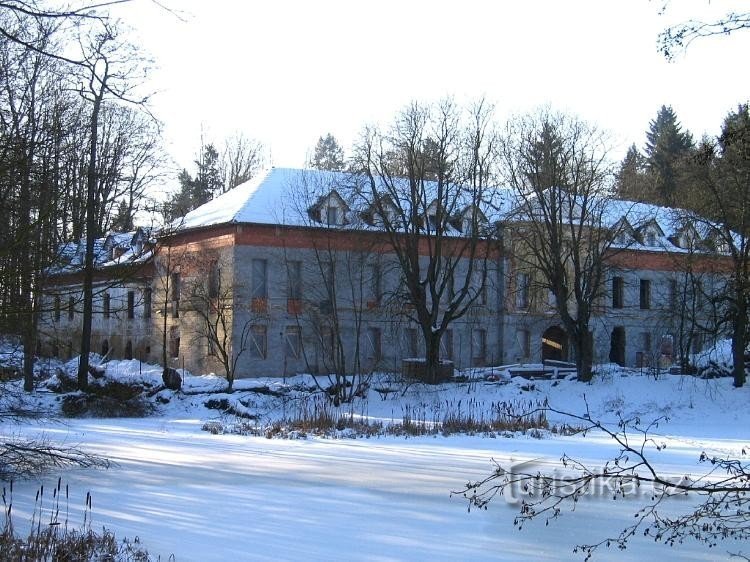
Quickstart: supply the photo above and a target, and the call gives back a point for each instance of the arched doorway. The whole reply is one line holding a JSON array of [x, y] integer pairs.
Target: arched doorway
[[129, 350], [554, 344]]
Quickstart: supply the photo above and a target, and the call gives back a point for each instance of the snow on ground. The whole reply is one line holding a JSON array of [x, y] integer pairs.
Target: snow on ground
[[204, 497]]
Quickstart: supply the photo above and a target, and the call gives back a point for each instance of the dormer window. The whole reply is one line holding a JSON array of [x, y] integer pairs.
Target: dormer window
[[650, 238], [432, 221], [332, 215]]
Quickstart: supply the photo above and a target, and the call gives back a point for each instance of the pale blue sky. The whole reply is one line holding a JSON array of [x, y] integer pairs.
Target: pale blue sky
[[287, 71]]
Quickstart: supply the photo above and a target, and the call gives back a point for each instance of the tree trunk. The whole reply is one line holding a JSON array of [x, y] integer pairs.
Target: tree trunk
[[432, 356], [584, 347], [88, 270], [738, 341]]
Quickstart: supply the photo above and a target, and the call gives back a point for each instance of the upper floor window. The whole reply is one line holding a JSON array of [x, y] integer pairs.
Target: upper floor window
[[106, 305], [332, 215], [294, 280], [214, 280], [650, 238], [522, 291], [618, 287], [147, 303], [131, 305], [645, 300], [375, 282], [71, 308], [259, 279], [176, 282]]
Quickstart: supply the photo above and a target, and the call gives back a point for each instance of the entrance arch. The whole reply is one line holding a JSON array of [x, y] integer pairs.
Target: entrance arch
[[554, 344]]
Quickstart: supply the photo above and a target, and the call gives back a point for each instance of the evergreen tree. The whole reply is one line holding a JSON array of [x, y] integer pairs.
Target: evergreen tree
[[667, 146], [208, 181], [632, 180], [328, 154], [123, 221]]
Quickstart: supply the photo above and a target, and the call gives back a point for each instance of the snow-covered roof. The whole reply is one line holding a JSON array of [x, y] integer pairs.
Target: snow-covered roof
[[287, 196], [117, 248]]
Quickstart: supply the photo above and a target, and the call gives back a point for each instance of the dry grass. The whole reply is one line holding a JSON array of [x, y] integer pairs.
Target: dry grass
[[51, 539]]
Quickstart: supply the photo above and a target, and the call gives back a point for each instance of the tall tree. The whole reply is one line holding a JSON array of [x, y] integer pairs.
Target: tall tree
[[721, 175], [667, 147], [240, 161], [632, 180], [560, 172], [328, 155], [435, 227], [107, 74]]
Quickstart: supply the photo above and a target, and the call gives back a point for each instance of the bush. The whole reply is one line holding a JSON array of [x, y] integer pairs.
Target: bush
[[110, 399]]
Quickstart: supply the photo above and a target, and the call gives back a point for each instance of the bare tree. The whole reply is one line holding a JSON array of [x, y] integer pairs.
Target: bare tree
[[111, 65], [345, 292], [561, 176], [426, 183], [677, 38], [723, 488], [241, 159], [212, 302]]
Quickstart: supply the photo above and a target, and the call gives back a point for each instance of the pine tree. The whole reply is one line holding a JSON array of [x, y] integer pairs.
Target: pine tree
[[123, 221], [666, 148], [208, 181], [328, 155], [632, 180]]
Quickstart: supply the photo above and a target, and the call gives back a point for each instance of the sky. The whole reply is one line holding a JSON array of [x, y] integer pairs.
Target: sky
[[286, 72]]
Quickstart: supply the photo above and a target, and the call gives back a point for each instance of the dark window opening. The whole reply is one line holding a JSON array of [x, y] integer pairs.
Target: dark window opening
[[645, 300], [618, 287]]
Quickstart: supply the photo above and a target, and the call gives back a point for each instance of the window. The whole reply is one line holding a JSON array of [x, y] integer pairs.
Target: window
[[71, 308], [375, 282], [129, 350], [260, 279], [57, 307], [174, 341], [650, 238], [646, 341], [618, 287], [131, 305], [412, 342], [524, 342], [294, 280], [176, 281], [667, 346], [645, 299], [522, 291], [374, 344], [673, 294], [446, 345], [147, 303], [106, 305], [332, 215], [432, 221], [478, 347], [479, 284], [258, 342], [696, 343], [292, 342], [214, 280]]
